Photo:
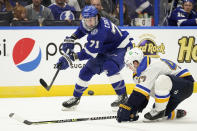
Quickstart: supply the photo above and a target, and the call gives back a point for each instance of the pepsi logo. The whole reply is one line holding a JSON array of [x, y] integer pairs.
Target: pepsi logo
[[26, 54]]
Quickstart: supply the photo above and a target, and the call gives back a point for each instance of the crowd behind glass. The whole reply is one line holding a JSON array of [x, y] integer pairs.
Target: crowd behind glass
[[68, 12]]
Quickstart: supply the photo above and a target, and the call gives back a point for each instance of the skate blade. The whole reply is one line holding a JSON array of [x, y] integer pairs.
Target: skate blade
[[73, 108]]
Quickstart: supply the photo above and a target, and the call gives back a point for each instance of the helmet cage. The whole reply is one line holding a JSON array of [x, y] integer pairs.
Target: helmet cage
[[90, 23]]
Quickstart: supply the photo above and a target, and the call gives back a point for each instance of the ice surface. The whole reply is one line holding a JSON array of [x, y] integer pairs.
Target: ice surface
[[49, 108]]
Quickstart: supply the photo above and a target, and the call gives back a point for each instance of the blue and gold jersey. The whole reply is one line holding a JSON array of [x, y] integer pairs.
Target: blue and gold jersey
[[149, 70]]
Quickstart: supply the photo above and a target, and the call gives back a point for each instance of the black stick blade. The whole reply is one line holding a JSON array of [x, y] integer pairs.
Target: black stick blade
[[44, 84]]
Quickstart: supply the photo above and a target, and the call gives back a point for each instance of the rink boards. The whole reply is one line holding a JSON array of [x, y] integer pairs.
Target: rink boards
[[28, 54]]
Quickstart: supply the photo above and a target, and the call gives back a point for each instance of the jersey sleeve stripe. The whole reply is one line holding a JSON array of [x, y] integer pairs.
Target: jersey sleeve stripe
[[162, 99], [124, 43], [183, 73], [157, 96], [141, 89], [91, 54]]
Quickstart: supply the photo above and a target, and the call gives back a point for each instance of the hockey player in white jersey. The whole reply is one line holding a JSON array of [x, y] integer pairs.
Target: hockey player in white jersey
[[168, 83]]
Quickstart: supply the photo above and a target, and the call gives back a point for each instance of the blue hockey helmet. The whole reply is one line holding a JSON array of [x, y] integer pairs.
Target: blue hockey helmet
[[89, 17], [89, 11]]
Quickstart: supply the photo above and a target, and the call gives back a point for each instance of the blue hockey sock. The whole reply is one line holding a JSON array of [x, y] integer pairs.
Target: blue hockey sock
[[119, 87], [79, 90]]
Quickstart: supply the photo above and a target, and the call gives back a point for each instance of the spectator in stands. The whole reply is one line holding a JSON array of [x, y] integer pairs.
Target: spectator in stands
[[46, 3], [20, 13], [108, 6], [82, 3], [36, 11], [97, 4], [183, 16], [75, 4], [23, 2], [137, 7], [127, 20], [62, 10], [7, 5], [2, 5]]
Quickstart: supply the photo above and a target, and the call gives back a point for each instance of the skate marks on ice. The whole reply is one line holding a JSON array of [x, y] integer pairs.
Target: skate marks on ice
[[49, 108]]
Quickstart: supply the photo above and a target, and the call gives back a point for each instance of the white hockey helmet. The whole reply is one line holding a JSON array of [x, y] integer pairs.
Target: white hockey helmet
[[135, 54]]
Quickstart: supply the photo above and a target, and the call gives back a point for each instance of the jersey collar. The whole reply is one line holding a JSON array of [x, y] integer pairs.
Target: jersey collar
[[143, 65]]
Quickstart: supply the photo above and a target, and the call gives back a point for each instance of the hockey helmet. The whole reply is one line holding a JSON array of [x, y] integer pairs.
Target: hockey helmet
[[135, 54], [89, 11], [89, 17]]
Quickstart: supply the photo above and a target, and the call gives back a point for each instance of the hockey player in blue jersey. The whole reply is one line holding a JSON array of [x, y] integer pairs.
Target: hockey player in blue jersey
[[105, 49], [165, 81], [183, 16]]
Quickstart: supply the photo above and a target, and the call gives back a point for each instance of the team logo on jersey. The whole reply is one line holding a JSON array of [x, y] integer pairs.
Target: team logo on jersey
[[26, 54], [67, 15], [94, 32], [150, 48]]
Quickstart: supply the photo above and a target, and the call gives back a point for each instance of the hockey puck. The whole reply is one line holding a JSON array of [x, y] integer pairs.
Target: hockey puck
[[11, 115], [90, 92]]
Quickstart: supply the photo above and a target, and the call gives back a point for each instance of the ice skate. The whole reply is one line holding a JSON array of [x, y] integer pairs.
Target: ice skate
[[70, 104], [154, 115], [120, 100]]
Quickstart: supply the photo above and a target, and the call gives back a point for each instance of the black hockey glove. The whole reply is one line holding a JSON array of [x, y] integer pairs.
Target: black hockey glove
[[125, 113]]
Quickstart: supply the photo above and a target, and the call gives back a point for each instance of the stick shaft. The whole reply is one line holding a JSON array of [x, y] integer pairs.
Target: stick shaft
[[56, 73], [68, 120]]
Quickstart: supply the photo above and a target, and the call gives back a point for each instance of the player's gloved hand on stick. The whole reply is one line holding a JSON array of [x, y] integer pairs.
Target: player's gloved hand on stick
[[62, 63], [68, 45], [125, 113], [72, 56]]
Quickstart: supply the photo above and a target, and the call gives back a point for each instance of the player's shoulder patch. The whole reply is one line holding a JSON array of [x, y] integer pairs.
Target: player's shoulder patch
[[94, 31]]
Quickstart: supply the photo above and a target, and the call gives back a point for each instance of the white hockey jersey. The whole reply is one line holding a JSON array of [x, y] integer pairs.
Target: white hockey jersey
[[149, 70]]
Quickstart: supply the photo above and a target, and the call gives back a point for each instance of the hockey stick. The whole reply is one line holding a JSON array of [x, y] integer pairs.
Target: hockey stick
[[42, 81], [27, 122], [44, 84]]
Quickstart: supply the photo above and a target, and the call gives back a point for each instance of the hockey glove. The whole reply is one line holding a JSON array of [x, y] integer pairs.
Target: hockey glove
[[62, 64], [68, 45], [125, 113]]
